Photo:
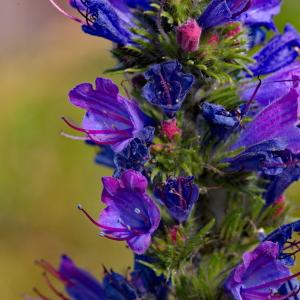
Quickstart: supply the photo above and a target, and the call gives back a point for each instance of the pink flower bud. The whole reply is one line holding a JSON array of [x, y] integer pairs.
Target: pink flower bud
[[213, 40], [170, 129], [188, 36], [280, 206], [235, 30]]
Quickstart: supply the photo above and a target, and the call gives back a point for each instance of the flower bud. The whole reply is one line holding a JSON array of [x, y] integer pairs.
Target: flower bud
[[170, 129], [188, 36]]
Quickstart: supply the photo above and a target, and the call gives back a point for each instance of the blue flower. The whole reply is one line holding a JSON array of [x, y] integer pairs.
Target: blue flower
[[261, 13], [219, 12], [107, 19], [79, 284], [274, 162], [265, 157], [167, 86], [105, 155], [146, 281], [145, 4], [117, 287], [280, 182], [279, 52], [256, 36], [283, 234], [221, 122], [110, 118], [179, 196]]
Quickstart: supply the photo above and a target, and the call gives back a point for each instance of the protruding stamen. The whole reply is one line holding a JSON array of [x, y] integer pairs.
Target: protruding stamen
[[49, 268], [53, 288], [89, 132], [73, 137], [79, 206], [40, 294], [65, 13]]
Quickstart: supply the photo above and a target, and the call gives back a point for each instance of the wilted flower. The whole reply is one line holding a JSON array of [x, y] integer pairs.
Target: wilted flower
[[221, 121], [133, 157], [130, 215], [110, 118], [188, 36], [179, 196], [167, 86], [279, 52]]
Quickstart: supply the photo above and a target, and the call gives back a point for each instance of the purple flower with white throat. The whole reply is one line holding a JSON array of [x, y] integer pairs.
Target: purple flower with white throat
[[167, 86], [179, 196], [110, 118], [131, 215]]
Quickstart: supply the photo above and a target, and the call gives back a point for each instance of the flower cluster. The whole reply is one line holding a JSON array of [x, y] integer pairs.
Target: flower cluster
[[203, 148]]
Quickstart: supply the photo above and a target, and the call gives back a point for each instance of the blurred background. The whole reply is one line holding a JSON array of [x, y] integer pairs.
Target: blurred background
[[42, 174]]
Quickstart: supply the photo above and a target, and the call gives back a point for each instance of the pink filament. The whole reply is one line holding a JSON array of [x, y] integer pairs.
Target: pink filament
[[65, 13], [55, 291]]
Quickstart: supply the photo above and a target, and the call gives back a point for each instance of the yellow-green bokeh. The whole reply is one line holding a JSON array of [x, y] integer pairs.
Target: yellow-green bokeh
[[42, 174]]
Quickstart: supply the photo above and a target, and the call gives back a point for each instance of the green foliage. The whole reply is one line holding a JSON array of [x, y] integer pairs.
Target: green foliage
[[175, 254]]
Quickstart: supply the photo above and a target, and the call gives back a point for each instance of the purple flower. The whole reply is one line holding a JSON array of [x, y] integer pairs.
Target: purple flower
[[279, 120], [167, 86], [221, 122], [145, 4], [275, 86], [280, 51], [178, 195], [79, 284], [130, 215], [278, 165], [260, 275], [110, 118], [261, 12], [219, 12], [107, 19], [257, 35]]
